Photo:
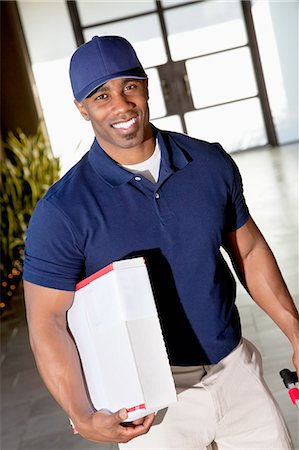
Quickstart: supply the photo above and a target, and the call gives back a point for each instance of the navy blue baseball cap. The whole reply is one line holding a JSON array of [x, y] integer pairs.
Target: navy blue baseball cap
[[102, 59]]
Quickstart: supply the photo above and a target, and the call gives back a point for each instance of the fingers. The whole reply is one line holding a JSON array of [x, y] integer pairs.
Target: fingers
[[145, 421], [110, 427], [136, 428]]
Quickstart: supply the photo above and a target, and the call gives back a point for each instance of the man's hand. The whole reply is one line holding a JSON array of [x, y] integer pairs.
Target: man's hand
[[296, 357], [103, 427]]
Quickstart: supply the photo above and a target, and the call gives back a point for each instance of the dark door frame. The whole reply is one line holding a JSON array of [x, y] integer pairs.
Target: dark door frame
[[173, 75]]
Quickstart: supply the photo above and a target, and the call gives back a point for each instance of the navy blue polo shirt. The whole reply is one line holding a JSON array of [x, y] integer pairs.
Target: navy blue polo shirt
[[99, 213]]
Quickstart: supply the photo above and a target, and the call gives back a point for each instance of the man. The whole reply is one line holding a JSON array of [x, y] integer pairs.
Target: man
[[176, 201]]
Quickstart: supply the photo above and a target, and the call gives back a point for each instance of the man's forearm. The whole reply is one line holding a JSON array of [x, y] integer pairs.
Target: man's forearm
[[258, 271], [59, 365], [266, 286]]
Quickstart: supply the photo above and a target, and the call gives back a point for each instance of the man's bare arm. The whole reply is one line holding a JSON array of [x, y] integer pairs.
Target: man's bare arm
[[59, 365], [257, 269]]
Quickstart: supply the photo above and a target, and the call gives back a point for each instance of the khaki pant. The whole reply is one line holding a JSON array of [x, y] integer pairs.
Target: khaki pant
[[221, 406]]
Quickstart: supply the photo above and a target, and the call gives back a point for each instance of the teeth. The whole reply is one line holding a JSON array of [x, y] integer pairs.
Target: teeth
[[124, 125]]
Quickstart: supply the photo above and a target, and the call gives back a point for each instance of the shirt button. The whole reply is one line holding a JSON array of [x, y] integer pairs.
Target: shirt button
[[157, 195], [137, 178]]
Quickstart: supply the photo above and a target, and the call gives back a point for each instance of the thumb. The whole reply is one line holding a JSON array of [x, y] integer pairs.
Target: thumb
[[121, 415]]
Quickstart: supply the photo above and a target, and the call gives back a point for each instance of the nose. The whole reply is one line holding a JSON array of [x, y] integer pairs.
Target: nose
[[121, 103]]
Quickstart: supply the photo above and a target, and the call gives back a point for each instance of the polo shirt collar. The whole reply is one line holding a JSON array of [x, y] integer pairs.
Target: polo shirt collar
[[172, 156], [172, 159], [106, 167]]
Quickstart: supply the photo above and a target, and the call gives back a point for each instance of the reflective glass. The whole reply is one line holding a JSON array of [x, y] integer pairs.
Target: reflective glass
[[170, 123], [143, 32], [236, 126], [72, 140], [156, 100], [166, 3], [279, 51], [221, 77], [48, 31], [204, 28], [91, 12]]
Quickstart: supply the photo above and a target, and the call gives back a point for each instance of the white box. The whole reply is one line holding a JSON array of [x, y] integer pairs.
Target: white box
[[116, 328]]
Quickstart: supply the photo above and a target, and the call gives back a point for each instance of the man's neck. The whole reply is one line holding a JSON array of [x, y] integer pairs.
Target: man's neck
[[131, 155]]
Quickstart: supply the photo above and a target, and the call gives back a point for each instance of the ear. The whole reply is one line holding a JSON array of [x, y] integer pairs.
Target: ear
[[82, 109]]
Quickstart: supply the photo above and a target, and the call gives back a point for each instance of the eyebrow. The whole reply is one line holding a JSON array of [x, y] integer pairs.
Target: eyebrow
[[97, 89], [103, 87]]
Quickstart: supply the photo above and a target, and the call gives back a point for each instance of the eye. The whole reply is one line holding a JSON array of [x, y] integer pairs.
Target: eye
[[130, 86], [100, 97]]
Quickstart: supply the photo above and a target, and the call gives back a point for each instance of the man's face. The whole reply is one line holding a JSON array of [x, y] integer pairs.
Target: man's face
[[119, 114]]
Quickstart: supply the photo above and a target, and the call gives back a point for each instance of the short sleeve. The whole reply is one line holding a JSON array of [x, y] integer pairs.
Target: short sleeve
[[237, 212], [53, 257]]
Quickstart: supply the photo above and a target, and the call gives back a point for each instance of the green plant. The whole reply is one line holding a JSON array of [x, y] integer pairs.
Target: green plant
[[27, 169]]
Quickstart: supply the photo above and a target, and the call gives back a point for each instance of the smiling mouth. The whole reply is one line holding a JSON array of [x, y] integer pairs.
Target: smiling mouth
[[125, 125]]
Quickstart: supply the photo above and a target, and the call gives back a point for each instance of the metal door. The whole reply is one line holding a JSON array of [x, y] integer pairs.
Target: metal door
[[203, 64]]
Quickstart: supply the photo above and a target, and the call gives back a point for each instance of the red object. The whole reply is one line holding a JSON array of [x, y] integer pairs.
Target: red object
[[134, 408], [294, 395]]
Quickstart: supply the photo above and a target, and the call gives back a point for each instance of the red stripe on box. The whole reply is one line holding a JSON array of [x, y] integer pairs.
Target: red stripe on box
[[93, 277], [135, 408]]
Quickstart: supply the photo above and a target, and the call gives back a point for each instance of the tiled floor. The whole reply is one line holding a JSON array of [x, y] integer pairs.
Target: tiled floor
[[32, 420]]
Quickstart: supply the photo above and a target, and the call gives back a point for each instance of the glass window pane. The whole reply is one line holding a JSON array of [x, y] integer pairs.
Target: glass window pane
[[156, 100], [143, 32], [170, 123], [166, 3], [236, 126], [48, 30], [92, 12], [221, 77], [204, 28], [278, 48], [72, 140]]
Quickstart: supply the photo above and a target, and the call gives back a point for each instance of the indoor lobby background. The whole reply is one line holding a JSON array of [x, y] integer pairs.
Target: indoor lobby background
[[224, 71]]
